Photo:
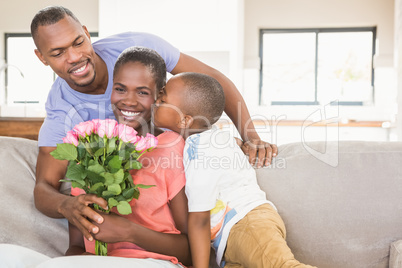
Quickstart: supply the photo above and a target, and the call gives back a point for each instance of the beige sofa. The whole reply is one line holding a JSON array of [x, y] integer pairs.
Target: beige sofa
[[341, 202]]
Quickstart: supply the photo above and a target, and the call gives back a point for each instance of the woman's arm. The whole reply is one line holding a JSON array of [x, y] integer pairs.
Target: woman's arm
[[199, 235], [116, 228], [76, 241]]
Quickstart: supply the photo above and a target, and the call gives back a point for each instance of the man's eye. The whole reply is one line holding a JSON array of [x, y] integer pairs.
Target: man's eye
[[57, 54], [79, 43]]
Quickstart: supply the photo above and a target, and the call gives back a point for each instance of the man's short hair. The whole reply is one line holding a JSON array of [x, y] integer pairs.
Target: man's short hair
[[48, 16], [149, 58], [204, 97]]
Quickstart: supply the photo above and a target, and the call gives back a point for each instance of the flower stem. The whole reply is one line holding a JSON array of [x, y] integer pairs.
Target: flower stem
[[100, 247]]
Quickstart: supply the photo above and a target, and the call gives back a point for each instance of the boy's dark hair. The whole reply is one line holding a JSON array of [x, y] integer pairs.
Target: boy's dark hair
[[48, 16], [149, 58], [204, 96]]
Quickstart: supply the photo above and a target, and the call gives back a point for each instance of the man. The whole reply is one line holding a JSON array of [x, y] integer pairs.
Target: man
[[82, 92]]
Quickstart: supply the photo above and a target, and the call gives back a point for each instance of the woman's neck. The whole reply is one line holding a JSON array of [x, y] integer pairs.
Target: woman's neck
[[151, 129]]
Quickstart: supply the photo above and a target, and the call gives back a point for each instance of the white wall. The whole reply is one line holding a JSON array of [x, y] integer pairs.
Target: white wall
[[398, 63], [16, 16], [207, 30]]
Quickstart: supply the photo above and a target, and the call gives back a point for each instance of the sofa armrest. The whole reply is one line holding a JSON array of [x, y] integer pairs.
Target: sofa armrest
[[21, 223]]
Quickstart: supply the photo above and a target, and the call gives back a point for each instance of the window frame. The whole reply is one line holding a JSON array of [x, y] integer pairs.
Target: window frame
[[12, 35], [317, 31]]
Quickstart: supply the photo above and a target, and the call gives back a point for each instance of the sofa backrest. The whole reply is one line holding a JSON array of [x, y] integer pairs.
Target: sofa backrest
[[341, 201]]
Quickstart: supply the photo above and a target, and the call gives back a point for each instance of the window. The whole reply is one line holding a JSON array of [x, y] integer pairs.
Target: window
[[27, 80], [317, 66]]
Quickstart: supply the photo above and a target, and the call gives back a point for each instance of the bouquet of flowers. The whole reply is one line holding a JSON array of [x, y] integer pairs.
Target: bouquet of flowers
[[101, 153]]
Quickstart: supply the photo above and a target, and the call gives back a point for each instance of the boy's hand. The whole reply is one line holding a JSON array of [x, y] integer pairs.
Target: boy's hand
[[258, 148]]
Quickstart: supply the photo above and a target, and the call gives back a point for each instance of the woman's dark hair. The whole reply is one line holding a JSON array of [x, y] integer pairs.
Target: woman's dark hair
[[149, 58]]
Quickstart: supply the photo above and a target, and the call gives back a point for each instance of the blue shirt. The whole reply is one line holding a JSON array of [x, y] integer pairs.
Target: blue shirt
[[66, 107]]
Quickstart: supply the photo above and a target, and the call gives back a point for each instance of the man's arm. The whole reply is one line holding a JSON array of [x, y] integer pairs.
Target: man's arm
[[199, 236], [253, 145], [48, 199]]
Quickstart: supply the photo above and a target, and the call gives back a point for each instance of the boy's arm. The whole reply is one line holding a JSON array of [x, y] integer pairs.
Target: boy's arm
[[199, 235], [76, 241]]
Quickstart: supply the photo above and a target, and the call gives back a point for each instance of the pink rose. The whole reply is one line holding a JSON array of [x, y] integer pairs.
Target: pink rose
[[106, 128], [126, 133], [96, 123], [141, 144], [151, 140], [84, 129], [71, 137]]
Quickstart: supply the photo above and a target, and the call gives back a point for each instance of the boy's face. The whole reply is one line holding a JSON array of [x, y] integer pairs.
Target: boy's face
[[133, 94], [167, 112]]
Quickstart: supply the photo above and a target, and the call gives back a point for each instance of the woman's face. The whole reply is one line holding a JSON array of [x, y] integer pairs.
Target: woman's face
[[134, 93]]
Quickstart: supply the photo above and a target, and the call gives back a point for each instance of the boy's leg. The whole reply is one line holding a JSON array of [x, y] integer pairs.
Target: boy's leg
[[258, 240]]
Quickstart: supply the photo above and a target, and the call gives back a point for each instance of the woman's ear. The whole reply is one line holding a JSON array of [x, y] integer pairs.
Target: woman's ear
[[186, 121]]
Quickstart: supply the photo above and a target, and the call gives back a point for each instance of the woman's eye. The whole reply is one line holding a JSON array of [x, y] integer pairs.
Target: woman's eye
[[143, 93], [118, 89]]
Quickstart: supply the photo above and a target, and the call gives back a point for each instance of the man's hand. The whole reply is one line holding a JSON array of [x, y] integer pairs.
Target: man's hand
[[260, 152], [77, 211]]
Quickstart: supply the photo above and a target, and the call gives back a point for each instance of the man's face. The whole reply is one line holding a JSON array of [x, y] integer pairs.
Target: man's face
[[167, 111], [66, 47]]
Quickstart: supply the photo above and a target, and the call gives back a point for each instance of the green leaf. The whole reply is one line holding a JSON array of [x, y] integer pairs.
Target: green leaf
[[96, 187], [136, 193], [94, 177], [128, 193], [99, 152], [119, 176], [65, 151], [115, 162], [115, 188], [124, 208], [111, 145], [82, 152], [96, 167], [77, 184], [133, 164], [112, 202], [109, 178], [107, 194], [76, 172], [143, 186]]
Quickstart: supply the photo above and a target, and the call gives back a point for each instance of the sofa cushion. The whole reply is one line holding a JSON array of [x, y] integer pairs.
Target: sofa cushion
[[22, 224], [395, 258], [341, 202]]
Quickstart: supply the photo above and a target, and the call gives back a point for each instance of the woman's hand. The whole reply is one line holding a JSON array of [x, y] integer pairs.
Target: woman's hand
[[260, 152], [114, 228]]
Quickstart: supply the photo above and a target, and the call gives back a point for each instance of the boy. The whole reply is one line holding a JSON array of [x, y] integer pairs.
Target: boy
[[224, 199]]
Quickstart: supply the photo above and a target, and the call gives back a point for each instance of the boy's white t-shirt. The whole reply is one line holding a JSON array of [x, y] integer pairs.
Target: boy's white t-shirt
[[220, 178]]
